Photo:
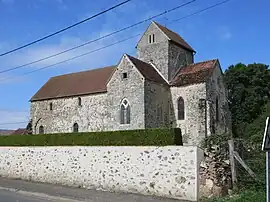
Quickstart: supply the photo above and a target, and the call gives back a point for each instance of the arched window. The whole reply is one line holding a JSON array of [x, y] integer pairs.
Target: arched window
[[41, 130], [125, 112], [80, 101], [75, 128], [181, 108]]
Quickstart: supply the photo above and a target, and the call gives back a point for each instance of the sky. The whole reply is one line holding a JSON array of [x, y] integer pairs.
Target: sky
[[237, 31]]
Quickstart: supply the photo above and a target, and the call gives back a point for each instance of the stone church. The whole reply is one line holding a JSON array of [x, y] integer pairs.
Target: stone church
[[160, 87]]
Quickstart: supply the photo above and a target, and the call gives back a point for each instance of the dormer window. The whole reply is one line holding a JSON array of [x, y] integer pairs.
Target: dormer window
[[124, 75], [151, 38]]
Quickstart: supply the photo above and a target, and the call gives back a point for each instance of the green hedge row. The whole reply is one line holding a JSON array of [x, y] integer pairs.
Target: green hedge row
[[159, 137]]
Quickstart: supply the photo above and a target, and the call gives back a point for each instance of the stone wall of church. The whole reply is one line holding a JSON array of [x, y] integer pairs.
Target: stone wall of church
[[193, 126], [92, 115], [217, 90], [156, 105], [157, 51], [177, 58], [131, 88]]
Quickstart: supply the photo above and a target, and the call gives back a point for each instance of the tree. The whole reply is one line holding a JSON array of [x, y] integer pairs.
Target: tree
[[248, 93], [29, 127]]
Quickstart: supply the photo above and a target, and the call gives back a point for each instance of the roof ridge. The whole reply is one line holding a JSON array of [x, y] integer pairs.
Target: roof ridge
[[74, 84], [171, 37], [149, 76], [204, 61], [176, 73], [100, 68], [194, 73], [157, 70]]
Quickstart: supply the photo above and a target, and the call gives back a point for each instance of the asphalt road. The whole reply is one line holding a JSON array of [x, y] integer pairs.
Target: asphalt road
[[10, 196], [23, 191]]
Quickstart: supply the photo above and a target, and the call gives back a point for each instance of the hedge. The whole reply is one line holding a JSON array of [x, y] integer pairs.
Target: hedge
[[158, 137]]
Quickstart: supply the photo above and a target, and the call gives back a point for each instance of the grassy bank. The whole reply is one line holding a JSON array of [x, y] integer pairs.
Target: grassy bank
[[245, 196]]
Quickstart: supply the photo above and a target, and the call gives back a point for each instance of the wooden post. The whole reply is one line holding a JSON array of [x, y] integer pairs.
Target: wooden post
[[240, 160], [267, 177], [232, 163]]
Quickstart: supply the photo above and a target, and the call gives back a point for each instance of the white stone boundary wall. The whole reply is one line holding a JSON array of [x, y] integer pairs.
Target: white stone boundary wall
[[170, 171]]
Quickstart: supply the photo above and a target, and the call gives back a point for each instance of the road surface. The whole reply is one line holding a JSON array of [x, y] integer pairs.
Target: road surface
[[9, 196], [23, 191]]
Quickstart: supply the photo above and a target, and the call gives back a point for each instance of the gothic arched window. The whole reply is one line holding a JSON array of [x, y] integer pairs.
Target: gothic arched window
[[41, 130], [124, 112], [180, 108], [75, 128]]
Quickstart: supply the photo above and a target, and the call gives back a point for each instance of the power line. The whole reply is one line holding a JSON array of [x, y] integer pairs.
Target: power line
[[172, 21], [72, 58], [98, 39], [64, 29], [1, 124], [200, 11]]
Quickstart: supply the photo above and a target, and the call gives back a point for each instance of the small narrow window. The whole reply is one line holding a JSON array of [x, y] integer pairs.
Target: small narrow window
[[75, 128], [124, 112], [202, 103], [217, 110], [153, 38], [181, 108], [41, 130], [80, 101], [51, 106], [124, 75], [150, 39]]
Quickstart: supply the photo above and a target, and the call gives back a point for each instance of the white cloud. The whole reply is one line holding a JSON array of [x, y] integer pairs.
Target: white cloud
[[10, 119], [39, 52], [102, 57], [224, 33], [107, 56]]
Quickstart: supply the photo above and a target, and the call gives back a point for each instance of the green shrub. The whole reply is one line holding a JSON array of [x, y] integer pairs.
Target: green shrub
[[158, 137]]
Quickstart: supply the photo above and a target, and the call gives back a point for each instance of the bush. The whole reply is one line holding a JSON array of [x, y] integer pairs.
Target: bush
[[158, 137]]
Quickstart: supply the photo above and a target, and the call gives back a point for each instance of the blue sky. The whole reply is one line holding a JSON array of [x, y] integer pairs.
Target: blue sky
[[237, 31]]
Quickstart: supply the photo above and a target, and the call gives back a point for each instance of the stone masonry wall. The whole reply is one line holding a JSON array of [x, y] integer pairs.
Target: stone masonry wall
[[216, 89], [193, 126], [156, 105], [163, 171], [157, 51], [92, 115], [177, 58], [131, 88]]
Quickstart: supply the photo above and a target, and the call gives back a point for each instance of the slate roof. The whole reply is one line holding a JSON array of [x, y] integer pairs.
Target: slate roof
[[147, 70], [194, 73], [175, 37], [79, 83]]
